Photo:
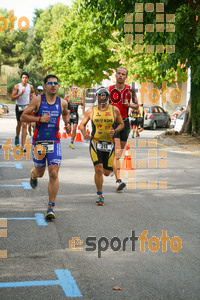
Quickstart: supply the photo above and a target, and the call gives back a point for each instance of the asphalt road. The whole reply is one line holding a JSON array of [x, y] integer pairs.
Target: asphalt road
[[41, 265]]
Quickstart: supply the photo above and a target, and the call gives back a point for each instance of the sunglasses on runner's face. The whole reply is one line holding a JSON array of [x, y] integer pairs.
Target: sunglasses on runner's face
[[40, 90], [52, 82], [103, 94]]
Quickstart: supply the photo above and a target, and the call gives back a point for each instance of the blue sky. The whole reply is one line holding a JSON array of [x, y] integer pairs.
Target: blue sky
[[26, 7]]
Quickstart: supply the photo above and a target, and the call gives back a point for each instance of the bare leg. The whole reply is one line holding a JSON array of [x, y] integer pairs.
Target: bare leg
[[73, 132], [29, 129], [98, 177], [24, 133], [53, 183], [118, 145], [38, 172], [18, 128]]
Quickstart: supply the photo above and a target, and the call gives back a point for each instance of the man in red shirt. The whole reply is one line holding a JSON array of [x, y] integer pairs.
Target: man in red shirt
[[123, 97]]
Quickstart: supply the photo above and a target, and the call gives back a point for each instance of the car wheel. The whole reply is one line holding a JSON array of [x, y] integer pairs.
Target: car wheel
[[168, 124], [154, 125]]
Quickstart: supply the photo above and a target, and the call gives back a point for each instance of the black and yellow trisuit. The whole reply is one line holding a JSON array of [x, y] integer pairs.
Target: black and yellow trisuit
[[102, 146]]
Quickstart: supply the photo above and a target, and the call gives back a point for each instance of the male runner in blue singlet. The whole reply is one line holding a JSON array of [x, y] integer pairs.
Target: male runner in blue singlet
[[48, 108]]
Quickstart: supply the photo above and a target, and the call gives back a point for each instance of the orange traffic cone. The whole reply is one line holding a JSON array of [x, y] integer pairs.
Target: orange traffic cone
[[127, 165], [78, 135], [64, 134], [59, 135]]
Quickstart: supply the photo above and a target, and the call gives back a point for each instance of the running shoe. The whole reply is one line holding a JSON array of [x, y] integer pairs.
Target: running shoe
[[16, 140], [100, 200], [137, 134], [33, 181], [50, 214], [72, 146], [24, 149], [120, 185]]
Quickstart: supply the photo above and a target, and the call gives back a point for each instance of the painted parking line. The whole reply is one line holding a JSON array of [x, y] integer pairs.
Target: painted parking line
[[17, 166], [65, 280], [39, 218], [25, 185]]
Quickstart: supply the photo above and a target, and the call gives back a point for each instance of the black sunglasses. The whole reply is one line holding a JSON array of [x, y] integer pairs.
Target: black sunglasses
[[103, 94]]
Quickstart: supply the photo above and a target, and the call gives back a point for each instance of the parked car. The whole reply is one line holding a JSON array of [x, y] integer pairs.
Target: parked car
[[175, 114], [5, 108], [156, 117], [179, 121]]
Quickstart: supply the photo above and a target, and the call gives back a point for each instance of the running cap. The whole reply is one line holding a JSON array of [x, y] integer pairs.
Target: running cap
[[40, 88], [102, 90]]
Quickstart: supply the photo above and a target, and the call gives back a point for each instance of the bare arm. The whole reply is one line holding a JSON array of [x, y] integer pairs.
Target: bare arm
[[66, 115], [86, 118], [34, 106], [118, 120], [32, 95], [14, 95], [134, 103]]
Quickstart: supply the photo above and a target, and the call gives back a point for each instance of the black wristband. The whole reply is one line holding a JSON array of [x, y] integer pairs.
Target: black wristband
[[39, 119]]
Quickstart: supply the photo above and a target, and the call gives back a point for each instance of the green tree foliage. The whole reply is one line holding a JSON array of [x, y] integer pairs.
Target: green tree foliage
[[186, 37], [78, 50], [45, 20], [146, 67]]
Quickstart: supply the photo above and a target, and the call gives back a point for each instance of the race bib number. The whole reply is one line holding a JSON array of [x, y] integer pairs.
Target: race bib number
[[73, 116], [22, 107], [104, 146], [48, 145]]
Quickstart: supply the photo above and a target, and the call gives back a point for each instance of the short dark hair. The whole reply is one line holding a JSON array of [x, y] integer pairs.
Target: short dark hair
[[24, 73], [124, 69], [50, 76]]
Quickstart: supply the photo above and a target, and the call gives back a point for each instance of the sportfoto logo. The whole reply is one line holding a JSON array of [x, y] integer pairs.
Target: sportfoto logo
[[116, 244], [23, 23], [18, 151], [138, 27]]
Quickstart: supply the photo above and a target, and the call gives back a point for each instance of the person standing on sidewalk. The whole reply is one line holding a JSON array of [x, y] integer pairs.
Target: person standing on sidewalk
[[73, 102], [102, 145], [22, 93], [121, 96], [48, 108]]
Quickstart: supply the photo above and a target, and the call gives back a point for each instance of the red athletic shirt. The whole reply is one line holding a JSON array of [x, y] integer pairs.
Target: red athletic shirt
[[117, 98]]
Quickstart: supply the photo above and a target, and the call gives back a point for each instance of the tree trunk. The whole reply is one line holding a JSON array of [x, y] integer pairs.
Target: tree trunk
[[192, 117], [195, 108], [187, 125]]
